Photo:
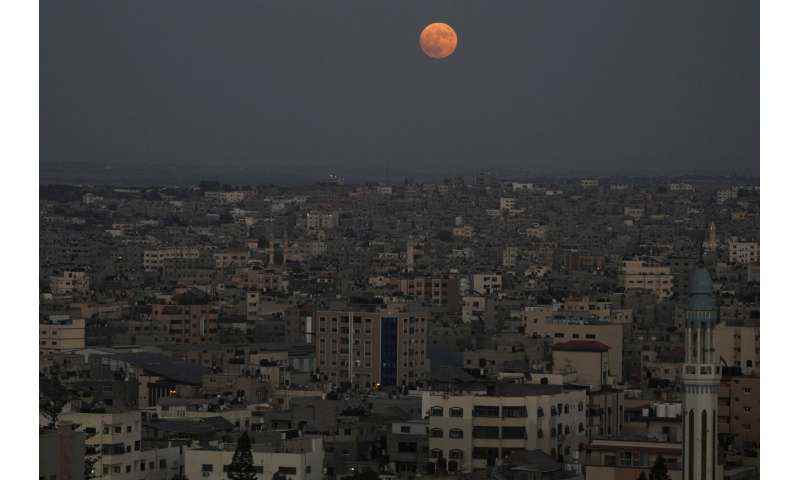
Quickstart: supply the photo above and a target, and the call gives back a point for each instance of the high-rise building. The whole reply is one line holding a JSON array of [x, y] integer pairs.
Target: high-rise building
[[365, 348], [700, 380]]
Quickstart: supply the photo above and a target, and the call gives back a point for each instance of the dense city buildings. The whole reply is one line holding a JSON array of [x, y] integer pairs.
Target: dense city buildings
[[476, 327]]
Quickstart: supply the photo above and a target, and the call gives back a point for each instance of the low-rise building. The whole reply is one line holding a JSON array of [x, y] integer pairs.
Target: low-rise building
[[61, 333], [294, 459], [474, 430]]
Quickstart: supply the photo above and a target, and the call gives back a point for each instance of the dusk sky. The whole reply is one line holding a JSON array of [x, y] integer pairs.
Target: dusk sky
[[296, 86]]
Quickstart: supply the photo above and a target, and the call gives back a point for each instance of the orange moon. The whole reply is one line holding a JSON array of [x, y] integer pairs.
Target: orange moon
[[438, 40]]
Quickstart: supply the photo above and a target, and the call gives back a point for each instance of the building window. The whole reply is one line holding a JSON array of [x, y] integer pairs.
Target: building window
[[456, 433], [437, 433], [486, 411], [436, 453], [456, 454], [437, 411], [456, 412], [405, 429]]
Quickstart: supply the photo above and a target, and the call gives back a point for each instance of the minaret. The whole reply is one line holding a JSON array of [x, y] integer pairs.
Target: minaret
[[710, 245], [700, 377]]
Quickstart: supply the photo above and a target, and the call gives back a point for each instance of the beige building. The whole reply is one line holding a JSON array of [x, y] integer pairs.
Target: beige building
[[69, 281], [559, 330], [231, 258], [739, 407], [742, 252], [486, 283], [185, 323], [588, 359], [61, 333], [507, 203], [154, 259], [114, 440], [473, 430], [366, 348], [739, 346], [643, 275]]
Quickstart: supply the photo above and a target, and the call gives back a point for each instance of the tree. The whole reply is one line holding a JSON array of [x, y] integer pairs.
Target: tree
[[53, 395], [659, 470], [88, 468], [241, 467]]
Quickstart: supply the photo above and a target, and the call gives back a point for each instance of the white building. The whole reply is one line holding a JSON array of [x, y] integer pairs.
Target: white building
[[299, 459]]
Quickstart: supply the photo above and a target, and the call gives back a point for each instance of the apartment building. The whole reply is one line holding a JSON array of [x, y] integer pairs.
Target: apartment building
[[576, 262], [294, 459], [407, 445], [739, 346], [599, 307], [230, 197], [743, 252], [234, 257], [739, 411], [681, 187], [647, 275], [507, 203], [61, 333], [486, 283], [253, 278], [185, 323], [154, 259], [474, 430], [368, 348], [114, 440], [440, 290], [627, 456], [70, 281], [566, 329], [316, 220]]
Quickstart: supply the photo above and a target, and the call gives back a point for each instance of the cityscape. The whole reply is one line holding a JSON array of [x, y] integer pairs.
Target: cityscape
[[399, 240], [476, 327]]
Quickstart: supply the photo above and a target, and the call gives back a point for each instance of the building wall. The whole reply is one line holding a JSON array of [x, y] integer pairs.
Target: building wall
[[739, 346], [154, 259], [640, 275], [349, 345], [591, 367], [69, 334], [739, 408], [540, 432], [186, 323], [607, 333]]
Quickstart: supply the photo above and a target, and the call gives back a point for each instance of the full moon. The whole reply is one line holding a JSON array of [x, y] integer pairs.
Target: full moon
[[438, 40]]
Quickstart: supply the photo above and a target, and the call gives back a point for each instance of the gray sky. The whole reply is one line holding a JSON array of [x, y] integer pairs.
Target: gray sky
[[311, 86]]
